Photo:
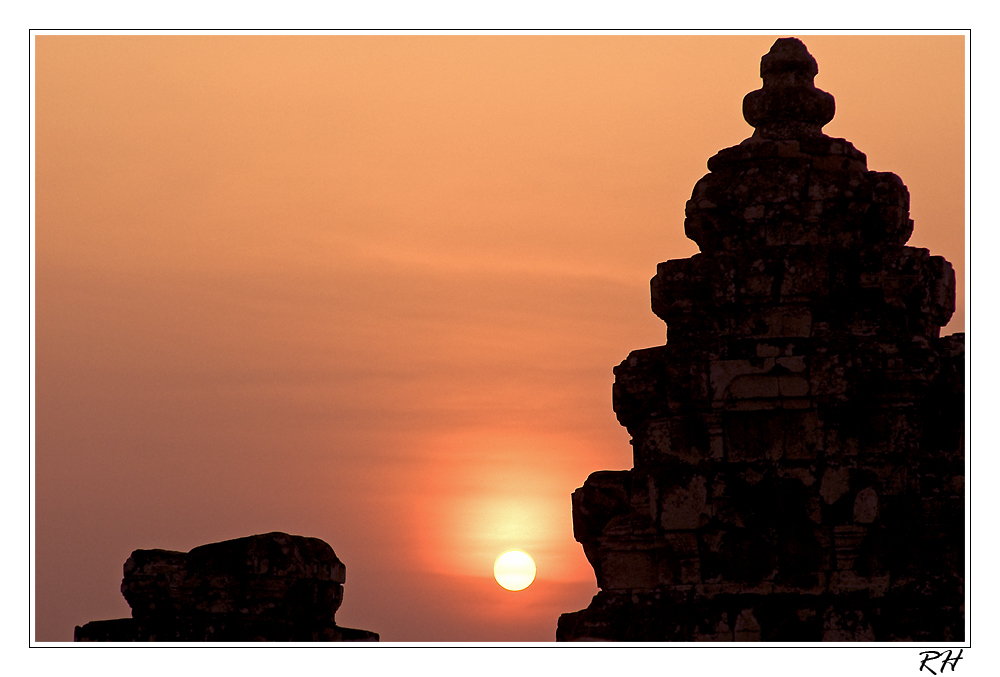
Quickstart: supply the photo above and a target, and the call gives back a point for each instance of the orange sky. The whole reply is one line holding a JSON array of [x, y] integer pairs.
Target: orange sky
[[371, 289]]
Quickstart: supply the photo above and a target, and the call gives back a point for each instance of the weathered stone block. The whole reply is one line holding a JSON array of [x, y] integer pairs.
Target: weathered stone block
[[846, 626], [754, 436], [629, 570], [803, 435], [603, 496], [681, 438], [847, 539], [720, 631], [746, 629], [272, 575], [866, 506], [270, 587], [849, 582], [722, 373], [768, 322], [645, 502], [683, 506], [835, 483], [804, 275]]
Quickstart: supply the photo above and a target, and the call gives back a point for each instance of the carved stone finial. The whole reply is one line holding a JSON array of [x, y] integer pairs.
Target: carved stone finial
[[788, 106]]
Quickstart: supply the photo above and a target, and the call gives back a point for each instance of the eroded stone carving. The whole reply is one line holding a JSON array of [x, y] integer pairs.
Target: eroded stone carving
[[799, 440], [266, 588]]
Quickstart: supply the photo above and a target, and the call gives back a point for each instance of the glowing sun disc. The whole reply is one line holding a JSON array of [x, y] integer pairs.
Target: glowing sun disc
[[514, 570]]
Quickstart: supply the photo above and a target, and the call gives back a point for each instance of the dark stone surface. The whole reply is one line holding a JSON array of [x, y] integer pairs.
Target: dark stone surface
[[266, 588], [798, 442]]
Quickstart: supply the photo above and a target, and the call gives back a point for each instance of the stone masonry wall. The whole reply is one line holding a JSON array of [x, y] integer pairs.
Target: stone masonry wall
[[799, 440], [267, 588]]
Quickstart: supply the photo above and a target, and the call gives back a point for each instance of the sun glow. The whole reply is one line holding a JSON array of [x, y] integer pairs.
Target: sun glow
[[514, 570]]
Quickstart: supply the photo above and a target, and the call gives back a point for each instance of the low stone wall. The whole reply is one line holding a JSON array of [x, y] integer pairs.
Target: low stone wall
[[266, 588]]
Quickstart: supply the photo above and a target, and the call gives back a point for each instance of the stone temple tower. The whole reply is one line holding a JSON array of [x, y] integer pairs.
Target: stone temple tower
[[799, 440]]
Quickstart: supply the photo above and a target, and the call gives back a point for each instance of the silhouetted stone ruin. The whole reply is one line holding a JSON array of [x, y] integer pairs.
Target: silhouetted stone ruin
[[799, 440], [266, 588]]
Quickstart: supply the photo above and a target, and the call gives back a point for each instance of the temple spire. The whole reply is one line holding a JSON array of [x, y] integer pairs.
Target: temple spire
[[798, 441]]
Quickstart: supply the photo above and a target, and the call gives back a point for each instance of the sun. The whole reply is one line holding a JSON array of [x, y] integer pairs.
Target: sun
[[514, 570]]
